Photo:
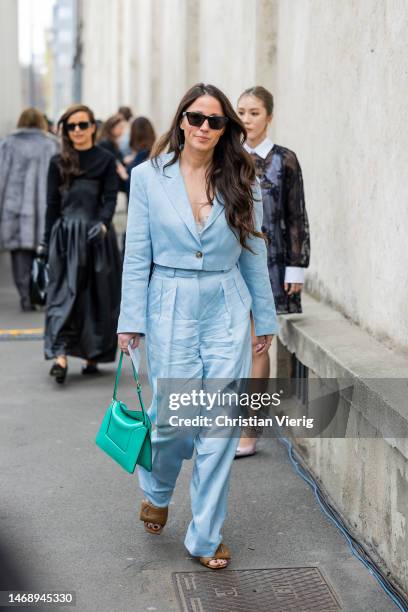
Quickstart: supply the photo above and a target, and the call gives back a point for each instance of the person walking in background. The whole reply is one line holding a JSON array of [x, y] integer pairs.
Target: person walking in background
[[195, 212], [24, 159], [142, 138], [111, 134], [51, 127], [124, 142], [84, 266], [285, 221], [98, 132]]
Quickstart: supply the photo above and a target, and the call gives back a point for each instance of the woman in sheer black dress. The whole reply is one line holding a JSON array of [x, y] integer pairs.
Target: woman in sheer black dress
[[84, 265], [285, 221]]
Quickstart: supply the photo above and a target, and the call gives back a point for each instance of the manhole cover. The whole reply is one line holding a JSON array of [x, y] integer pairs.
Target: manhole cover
[[294, 589]]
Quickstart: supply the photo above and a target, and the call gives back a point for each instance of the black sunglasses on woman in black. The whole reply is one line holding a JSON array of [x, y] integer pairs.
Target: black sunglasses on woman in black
[[83, 125], [215, 122]]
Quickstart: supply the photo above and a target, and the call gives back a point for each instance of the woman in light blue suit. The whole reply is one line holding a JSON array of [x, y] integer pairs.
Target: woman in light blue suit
[[195, 212]]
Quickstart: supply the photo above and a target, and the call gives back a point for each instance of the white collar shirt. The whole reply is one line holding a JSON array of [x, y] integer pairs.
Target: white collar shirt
[[262, 149]]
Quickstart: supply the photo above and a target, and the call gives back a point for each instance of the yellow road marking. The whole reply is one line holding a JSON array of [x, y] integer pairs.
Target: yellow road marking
[[21, 332]]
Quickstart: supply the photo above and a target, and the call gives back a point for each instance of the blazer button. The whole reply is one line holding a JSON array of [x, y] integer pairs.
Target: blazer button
[[199, 254]]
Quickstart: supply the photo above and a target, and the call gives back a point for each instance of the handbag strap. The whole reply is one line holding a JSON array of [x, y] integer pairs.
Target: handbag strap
[[138, 386]]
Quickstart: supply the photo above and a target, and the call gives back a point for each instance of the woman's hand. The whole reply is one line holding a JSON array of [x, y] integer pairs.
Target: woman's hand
[[42, 251], [129, 158], [124, 339], [121, 170], [96, 232], [292, 288], [262, 344]]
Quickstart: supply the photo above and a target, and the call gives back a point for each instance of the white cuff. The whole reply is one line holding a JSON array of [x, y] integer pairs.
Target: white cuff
[[293, 274]]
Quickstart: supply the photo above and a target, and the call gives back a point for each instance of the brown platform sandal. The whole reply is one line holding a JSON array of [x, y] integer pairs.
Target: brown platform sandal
[[152, 514], [222, 552]]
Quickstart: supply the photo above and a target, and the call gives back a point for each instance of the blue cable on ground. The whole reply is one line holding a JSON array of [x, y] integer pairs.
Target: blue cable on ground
[[371, 568]]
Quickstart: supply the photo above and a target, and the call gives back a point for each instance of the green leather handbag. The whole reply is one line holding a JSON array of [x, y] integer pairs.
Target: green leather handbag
[[125, 435]]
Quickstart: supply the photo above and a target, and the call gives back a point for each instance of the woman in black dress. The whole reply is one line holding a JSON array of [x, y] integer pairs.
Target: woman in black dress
[[84, 265]]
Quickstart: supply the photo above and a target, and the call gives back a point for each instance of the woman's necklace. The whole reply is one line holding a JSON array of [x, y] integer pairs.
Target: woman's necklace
[[197, 208]]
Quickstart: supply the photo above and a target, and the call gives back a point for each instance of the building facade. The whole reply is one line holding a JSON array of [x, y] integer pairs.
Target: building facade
[[146, 53], [11, 96], [63, 53]]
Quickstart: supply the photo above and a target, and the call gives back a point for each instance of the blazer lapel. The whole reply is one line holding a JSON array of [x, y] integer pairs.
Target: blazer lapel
[[173, 184], [217, 209]]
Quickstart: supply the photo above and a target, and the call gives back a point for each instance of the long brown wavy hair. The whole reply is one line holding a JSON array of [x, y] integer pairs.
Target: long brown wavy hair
[[69, 164], [231, 172]]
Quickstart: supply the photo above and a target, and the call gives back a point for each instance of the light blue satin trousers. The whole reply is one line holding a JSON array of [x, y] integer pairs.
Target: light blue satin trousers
[[198, 328]]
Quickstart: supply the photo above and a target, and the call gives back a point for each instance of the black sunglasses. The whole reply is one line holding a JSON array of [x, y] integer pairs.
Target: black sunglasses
[[83, 125], [215, 122]]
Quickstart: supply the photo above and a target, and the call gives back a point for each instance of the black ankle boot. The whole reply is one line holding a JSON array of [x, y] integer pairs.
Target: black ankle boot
[[26, 305], [90, 368], [59, 373]]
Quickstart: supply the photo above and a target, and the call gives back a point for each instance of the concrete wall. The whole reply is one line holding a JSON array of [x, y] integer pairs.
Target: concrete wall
[[63, 51], [238, 44], [361, 457], [341, 93], [146, 53], [368, 480], [341, 86], [99, 56], [11, 98]]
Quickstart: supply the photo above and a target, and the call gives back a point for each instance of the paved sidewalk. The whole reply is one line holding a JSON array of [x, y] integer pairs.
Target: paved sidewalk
[[70, 514]]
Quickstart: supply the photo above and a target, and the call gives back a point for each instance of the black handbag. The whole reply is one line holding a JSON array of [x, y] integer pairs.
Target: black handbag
[[39, 281]]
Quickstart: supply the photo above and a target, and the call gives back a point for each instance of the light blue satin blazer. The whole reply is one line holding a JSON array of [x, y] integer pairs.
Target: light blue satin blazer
[[161, 228]]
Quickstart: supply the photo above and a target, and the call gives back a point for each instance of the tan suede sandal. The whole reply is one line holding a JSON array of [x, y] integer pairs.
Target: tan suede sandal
[[153, 514], [222, 552]]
